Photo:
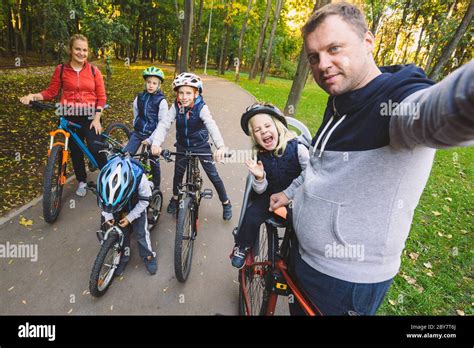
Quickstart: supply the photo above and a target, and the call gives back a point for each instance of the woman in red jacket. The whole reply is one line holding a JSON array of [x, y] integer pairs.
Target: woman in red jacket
[[82, 91]]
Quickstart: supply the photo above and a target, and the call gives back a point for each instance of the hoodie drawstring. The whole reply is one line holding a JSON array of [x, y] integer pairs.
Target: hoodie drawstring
[[323, 146]]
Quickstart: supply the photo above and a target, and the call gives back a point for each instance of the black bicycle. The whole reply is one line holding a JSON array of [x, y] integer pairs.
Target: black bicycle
[[189, 197]]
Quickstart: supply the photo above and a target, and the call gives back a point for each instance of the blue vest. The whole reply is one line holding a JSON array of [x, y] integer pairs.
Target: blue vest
[[281, 171], [190, 129], [148, 109]]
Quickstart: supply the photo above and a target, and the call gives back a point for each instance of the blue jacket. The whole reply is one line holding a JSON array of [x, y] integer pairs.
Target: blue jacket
[[190, 129], [148, 109], [280, 171]]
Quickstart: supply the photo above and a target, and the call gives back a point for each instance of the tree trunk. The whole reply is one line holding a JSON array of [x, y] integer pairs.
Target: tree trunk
[[261, 39], [434, 50], [186, 35], [196, 35], [397, 35], [301, 75], [451, 46], [408, 37], [276, 16], [225, 41], [241, 39]]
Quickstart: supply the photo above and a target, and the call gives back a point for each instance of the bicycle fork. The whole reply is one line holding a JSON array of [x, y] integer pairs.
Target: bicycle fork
[[64, 146]]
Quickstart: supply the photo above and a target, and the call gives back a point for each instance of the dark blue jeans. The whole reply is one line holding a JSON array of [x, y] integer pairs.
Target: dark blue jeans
[[132, 147], [209, 168], [335, 296]]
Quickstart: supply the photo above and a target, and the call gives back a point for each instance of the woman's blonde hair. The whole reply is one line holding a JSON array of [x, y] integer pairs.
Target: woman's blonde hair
[[73, 39], [284, 135]]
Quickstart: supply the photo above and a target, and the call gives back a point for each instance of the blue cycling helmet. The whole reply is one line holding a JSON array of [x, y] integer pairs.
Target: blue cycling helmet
[[116, 183]]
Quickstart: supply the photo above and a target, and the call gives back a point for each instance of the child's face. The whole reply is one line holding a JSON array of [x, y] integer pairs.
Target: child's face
[[264, 131], [153, 83], [186, 95]]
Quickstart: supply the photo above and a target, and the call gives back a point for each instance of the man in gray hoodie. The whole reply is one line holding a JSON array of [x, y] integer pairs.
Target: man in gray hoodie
[[369, 162]]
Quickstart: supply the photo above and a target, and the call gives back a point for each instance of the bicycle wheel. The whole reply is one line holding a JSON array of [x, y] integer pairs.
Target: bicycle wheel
[[52, 186], [154, 209], [104, 266], [253, 290], [118, 131], [184, 240]]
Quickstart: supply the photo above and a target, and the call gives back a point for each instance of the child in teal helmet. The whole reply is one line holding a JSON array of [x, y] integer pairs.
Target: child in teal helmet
[[149, 107]]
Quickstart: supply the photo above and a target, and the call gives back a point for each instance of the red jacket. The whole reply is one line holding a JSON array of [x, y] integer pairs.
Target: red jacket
[[79, 88]]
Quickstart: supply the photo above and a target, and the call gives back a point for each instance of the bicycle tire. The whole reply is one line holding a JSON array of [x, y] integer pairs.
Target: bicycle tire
[[154, 209], [184, 240], [256, 277], [52, 187], [98, 285], [119, 132]]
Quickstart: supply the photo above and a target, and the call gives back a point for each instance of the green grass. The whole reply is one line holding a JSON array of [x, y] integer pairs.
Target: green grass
[[442, 229]]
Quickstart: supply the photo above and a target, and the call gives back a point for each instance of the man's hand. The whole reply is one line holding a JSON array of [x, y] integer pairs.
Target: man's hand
[[124, 222], [278, 200], [256, 168], [219, 154], [156, 150]]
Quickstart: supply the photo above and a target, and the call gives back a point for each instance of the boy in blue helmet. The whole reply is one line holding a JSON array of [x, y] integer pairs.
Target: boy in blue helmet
[[194, 125], [123, 190], [149, 107]]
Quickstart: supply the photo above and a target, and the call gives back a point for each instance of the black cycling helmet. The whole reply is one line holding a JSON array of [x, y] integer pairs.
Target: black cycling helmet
[[260, 108]]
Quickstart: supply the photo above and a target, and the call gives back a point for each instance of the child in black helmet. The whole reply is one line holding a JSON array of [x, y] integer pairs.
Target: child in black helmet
[[280, 159]]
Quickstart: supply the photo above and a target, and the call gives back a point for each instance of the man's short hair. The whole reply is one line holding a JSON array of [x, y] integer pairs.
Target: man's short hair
[[349, 13]]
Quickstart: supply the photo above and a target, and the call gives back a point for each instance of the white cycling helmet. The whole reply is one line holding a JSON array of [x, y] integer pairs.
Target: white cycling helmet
[[187, 79]]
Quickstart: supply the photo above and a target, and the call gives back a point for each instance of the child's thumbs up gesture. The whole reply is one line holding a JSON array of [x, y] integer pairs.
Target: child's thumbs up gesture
[[256, 168]]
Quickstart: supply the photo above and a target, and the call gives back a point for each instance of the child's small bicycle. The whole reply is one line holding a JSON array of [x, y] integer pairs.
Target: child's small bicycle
[[187, 218], [54, 176], [112, 237]]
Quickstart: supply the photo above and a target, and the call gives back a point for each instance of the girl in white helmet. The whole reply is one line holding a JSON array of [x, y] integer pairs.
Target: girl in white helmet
[[194, 124]]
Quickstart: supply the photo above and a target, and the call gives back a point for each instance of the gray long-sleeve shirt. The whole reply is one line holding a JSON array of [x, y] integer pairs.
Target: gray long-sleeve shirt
[[353, 207]]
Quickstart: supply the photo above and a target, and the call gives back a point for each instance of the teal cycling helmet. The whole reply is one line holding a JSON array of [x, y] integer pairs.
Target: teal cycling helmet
[[116, 184], [152, 71]]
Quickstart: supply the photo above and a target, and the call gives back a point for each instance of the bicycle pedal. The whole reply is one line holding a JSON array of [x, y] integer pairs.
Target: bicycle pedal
[[280, 286], [207, 193]]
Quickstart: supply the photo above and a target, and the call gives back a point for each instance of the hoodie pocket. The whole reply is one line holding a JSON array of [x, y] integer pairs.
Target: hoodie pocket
[[317, 223]]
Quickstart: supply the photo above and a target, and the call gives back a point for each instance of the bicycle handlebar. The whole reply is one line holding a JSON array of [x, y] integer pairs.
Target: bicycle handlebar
[[166, 154]]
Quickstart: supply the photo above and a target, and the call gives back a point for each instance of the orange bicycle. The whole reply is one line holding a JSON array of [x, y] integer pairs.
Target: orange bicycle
[[267, 270]]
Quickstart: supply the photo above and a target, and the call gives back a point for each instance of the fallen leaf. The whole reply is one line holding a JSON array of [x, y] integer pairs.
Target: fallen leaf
[[10, 289], [69, 312], [429, 274], [41, 272], [440, 234], [112, 307], [449, 199], [25, 222], [78, 249], [392, 302], [10, 262], [436, 213], [164, 290], [413, 256], [427, 264], [449, 236], [460, 312], [23, 301]]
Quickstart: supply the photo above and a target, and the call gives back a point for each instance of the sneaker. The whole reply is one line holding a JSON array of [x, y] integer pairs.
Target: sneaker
[[238, 256], [227, 211], [173, 206], [151, 265], [81, 189], [120, 269]]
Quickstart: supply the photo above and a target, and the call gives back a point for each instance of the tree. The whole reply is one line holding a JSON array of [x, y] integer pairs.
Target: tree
[[241, 39], [261, 39], [197, 35], [451, 46], [299, 81], [276, 16], [186, 35], [225, 40]]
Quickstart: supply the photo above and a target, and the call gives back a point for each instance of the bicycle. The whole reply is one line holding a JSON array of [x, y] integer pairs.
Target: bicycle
[[187, 217], [112, 237], [267, 270], [58, 154]]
